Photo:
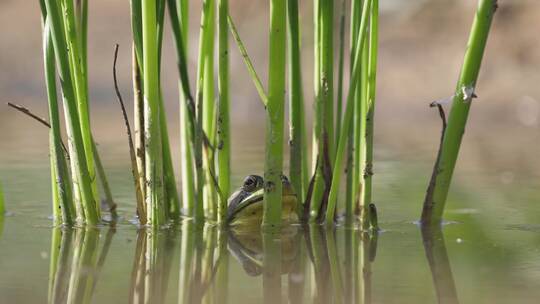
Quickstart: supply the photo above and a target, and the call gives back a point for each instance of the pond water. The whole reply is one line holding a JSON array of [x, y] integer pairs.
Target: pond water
[[487, 252]]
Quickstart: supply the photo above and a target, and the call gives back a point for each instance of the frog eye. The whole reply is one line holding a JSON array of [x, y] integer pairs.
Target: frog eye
[[252, 182]]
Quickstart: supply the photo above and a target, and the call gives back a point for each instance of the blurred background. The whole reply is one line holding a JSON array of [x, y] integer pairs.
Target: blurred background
[[493, 252], [422, 43]]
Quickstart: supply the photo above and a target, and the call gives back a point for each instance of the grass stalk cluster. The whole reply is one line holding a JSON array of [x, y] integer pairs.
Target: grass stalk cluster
[[75, 192], [342, 134], [205, 129], [158, 200], [355, 117]]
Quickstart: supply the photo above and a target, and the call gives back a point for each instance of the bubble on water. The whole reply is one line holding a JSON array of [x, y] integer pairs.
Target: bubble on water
[[44, 255], [507, 177], [459, 240], [528, 111]]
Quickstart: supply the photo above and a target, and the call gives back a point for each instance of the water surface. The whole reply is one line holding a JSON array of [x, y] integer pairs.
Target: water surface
[[488, 252]]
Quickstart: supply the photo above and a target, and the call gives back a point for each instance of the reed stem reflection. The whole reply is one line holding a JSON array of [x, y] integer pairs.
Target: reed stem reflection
[[312, 260], [76, 262], [317, 268], [154, 254], [203, 266], [271, 268], [337, 280], [439, 264]]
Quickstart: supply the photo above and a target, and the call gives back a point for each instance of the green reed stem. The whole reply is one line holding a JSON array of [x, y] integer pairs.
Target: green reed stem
[[338, 164], [356, 11], [188, 165], [357, 146], [78, 158], [57, 211], [172, 200], [327, 72], [209, 112], [136, 28], [138, 105], [298, 170], [81, 18], [179, 13], [360, 137], [357, 203], [63, 202], [324, 103], [341, 64], [153, 149], [318, 124], [206, 35], [446, 161], [80, 83], [247, 61], [273, 168], [372, 90], [79, 209], [223, 122]]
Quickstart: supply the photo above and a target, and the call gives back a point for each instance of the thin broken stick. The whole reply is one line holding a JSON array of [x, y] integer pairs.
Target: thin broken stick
[[136, 178], [44, 122]]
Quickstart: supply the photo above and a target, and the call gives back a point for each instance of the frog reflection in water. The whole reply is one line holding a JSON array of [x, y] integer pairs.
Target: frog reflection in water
[[248, 249], [246, 204]]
